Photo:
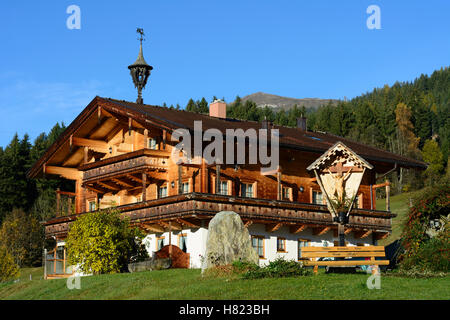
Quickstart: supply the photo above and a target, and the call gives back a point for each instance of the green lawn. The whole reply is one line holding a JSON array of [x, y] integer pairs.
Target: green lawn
[[189, 284]]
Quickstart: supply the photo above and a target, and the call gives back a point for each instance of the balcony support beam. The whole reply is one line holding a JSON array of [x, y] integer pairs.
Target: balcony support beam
[[298, 228], [321, 230], [144, 186]]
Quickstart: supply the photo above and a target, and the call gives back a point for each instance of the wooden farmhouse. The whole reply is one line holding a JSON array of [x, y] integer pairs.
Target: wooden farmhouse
[[118, 153]]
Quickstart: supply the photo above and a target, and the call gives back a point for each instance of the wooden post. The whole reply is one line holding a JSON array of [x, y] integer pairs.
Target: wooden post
[[341, 234], [279, 192], [371, 197], [203, 177], [69, 205], [144, 187], [78, 196], [64, 260], [58, 202], [45, 264], [217, 178], [170, 239], [388, 190], [180, 182], [164, 139]]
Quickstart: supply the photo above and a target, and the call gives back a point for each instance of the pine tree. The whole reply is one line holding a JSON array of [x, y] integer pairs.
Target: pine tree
[[16, 190], [433, 156], [203, 106], [191, 106]]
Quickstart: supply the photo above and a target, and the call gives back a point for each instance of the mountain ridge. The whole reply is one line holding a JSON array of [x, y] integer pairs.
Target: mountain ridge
[[273, 101]]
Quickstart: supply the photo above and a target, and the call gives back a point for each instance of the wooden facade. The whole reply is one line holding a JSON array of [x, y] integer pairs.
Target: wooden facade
[[119, 154]]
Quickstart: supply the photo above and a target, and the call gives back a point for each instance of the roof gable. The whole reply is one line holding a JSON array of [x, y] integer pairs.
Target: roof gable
[[171, 119]]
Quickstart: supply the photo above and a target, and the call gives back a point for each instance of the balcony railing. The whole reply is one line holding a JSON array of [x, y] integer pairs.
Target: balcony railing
[[144, 159], [207, 205]]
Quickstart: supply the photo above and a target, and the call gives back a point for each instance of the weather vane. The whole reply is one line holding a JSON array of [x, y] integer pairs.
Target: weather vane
[[140, 70], [141, 32]]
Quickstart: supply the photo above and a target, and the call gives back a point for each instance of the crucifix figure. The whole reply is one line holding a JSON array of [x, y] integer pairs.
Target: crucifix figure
[[339, 182]]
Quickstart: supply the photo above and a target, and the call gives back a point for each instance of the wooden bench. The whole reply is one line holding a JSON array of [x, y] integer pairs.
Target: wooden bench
[[370, 252]]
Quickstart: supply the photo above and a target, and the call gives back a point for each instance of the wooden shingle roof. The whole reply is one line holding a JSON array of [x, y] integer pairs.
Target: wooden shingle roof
[[171, 119]]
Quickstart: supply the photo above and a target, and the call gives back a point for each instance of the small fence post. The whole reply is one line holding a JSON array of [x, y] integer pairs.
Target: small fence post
[[45, 263], [388, 190]]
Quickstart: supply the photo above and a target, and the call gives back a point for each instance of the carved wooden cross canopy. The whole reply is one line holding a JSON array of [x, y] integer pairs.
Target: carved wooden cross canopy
[[334, 157], [339, 172]]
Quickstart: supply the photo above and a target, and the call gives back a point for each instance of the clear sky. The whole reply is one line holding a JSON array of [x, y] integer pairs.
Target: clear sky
[[300, 49]]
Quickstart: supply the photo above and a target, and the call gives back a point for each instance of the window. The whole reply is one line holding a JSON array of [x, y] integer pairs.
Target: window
[[286, 193], [182, 242], [224, 187], [185, 187], [301, 244], [92, 204], [152, 144], [258, 245], [317, 197], [162, 192], [247, 190], [281, 245], [159, 243]]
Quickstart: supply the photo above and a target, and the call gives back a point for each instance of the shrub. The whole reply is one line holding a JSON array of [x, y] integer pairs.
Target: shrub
[[432, 255], [8, 268], [101, 242], [234, 270], [421, 250], [244, 266], [277, 269]]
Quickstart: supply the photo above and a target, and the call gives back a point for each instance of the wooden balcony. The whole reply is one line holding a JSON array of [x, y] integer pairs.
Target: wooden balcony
[[125, 171], [196, 209]]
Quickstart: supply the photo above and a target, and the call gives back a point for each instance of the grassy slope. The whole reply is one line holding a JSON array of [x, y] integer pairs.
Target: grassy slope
[[399, 206], [189, 284]]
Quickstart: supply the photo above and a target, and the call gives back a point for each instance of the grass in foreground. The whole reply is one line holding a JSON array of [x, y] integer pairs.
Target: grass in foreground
[[189, 284]]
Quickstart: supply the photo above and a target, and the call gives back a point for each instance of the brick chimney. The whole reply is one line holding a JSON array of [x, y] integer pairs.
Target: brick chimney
[[301, 123], [218, 109]]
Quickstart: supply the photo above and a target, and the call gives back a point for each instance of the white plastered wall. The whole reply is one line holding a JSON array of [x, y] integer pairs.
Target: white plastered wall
[[196, 242]]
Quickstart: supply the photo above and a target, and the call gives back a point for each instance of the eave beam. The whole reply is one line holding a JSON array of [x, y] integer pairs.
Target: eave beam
[[67, 173], [273, 227], [248, 223], [90, 143], [188, 223], [320, 230], [362, 234], [298, 229]]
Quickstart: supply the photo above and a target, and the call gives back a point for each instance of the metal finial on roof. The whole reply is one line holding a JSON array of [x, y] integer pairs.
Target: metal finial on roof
[[140, 70]]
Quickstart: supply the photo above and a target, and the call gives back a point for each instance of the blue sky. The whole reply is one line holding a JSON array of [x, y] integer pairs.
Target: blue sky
[[300, 49]]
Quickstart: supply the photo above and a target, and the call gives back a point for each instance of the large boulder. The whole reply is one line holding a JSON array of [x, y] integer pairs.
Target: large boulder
[[228, 240]]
